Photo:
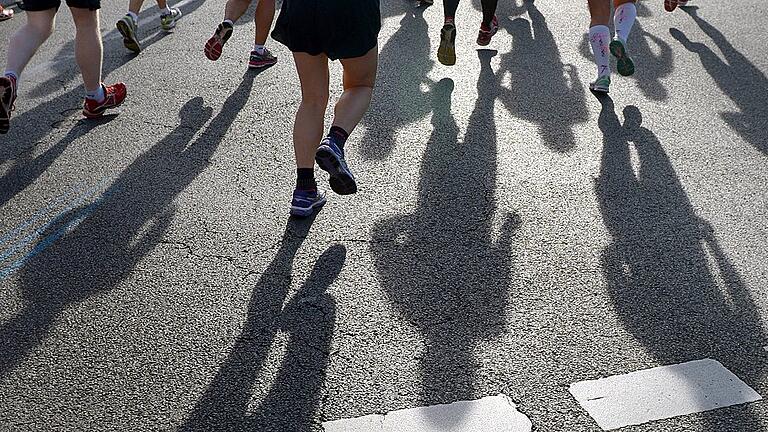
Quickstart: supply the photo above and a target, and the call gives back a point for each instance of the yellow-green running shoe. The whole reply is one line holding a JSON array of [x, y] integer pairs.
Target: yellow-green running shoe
[[127, 27], [168, 20], [446, 54]]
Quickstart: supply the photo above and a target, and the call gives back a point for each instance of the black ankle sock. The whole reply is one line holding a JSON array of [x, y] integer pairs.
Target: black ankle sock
[[339, 136], [305, 179]]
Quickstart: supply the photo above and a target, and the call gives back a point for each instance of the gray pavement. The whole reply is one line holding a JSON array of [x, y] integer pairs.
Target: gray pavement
[[513, 233]]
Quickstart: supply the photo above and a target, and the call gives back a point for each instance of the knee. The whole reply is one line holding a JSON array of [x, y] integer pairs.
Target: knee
[[85, 19], [42, 28], [315, 100]]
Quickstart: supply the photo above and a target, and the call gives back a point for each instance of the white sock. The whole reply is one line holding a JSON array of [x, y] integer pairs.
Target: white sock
[[97, 95], [258, 48], [135, 17], [229, 22], [599, 38], [623, 20], [166, 10], [10, 73]]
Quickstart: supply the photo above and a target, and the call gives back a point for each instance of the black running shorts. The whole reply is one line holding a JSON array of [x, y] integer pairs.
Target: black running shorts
[[340, 29], [41, 5]]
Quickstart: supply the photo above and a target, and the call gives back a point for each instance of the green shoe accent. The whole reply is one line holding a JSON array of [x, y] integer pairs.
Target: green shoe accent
[[127, 27], [446, 54], [601, 84], [624, 64], [168, 21]]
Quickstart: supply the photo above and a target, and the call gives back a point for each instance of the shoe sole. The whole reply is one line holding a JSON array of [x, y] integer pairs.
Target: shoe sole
[[342, 182], [5, 112], [446, 54], [304, 212], [598, 89], [215, 45], [90, 115], [261, 64], [129, 37], [624, 64], [486, 42]]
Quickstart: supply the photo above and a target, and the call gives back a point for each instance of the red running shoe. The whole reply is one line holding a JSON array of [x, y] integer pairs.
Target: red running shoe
[[114, 96], [670, 5], [7, 99], [485, 35], [215, 44]]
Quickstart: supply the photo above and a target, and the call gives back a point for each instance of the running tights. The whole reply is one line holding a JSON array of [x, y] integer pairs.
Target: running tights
[[489, 9]]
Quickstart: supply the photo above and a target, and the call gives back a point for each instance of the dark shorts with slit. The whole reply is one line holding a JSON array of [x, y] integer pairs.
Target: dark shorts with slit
[[340, 29], [41, 5]]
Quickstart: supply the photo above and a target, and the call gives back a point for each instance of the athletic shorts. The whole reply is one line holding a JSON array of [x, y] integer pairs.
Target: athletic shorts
[[340, 29], [41, 5]]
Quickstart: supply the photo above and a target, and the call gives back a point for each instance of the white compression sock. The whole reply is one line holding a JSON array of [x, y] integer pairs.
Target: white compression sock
[[599, 38], [623, 20]]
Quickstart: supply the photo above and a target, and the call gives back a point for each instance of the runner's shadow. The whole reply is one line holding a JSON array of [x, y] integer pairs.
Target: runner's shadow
[[651, 67], [26, 169], [309, 318], [440, 266], [658, 270], [740, 80], [402, 96], [542, 90], [92, 249]]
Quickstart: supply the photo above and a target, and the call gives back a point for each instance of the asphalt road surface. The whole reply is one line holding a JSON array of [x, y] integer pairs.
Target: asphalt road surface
[[513, 233]]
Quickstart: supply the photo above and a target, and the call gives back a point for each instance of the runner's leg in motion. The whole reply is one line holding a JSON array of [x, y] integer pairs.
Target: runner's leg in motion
[[599, 40]]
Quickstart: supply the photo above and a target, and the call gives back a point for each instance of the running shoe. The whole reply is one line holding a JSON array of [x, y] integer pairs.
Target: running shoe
[[485, 35], [7, 99], [168, 20], [215, 44], [114, 96], [330, 158], [601, 84], [446, 54], [127, 27], [305, 202], [5, 14], [258, 61], [671, 5], [624, 64]]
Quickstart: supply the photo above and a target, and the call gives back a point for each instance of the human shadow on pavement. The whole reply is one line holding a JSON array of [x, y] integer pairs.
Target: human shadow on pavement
[[309, 318], [542, 90], [440, 266], [26, 169], [671, 283], [737, 77], [94, 248], [653, 65], [402, 96]]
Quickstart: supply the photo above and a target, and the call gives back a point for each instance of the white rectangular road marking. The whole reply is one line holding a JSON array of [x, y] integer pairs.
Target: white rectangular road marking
[[660, 393], [492, 413]]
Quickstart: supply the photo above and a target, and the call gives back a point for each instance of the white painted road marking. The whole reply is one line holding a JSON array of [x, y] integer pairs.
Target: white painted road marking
[[660, 393], [492, 413]]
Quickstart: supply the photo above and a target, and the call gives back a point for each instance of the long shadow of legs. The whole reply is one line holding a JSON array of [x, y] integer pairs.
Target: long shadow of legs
[[400, 99], [440, 266], [738, 78], [92, 249], [25, 170], [657, 270], [292, 400], [534, 62]]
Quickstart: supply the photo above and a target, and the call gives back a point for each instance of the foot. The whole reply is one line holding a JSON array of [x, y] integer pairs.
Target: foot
[[601, 84], [5, 14], [258, 61], [168, 20], [306, 202], [330, 158], [624, 64], [127, 27], [670, 5], [215, 44], [7, 99], [446, 54], [114, 96], [485, 34]]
